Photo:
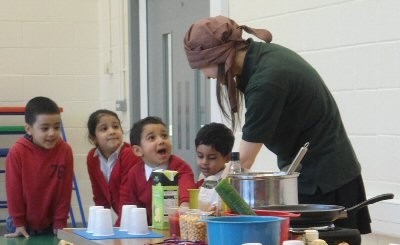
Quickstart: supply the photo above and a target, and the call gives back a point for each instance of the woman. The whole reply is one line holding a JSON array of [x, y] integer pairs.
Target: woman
[[287, 105]]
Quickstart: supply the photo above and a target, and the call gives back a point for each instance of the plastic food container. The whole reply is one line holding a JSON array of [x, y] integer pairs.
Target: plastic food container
[[173, 219], [236, 230], [193, 226]]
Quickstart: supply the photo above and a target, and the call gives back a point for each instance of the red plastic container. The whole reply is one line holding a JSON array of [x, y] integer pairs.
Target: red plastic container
[[174, 228], [285, 224]]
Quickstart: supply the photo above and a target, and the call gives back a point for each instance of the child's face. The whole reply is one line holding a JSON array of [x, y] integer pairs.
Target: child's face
[[109, 135], [46, 131], [209, 160], [155, 145]]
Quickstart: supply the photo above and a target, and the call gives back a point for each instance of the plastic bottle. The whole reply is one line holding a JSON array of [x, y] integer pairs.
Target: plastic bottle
[[236, 166], [311, 235]]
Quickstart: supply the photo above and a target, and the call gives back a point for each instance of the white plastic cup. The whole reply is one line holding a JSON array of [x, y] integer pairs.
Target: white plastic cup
[[138, 222], [125, 217], [293, 242], [91, 218], [103, 223]]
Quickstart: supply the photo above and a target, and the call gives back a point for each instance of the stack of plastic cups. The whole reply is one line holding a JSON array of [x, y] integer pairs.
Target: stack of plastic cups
[[91, 219], [103, 223], [126, 209], [138, 222]]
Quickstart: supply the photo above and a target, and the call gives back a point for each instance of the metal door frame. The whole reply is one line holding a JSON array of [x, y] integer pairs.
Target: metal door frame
[[137, 12]]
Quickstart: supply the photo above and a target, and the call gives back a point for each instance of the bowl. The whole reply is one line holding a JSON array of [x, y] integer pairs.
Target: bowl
[[285, 225], [236, 230]]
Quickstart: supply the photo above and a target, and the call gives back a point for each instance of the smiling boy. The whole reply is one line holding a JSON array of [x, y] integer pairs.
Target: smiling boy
[[39, 173]]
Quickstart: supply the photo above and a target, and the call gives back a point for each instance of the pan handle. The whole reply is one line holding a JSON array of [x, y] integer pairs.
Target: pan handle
[[354, 209]]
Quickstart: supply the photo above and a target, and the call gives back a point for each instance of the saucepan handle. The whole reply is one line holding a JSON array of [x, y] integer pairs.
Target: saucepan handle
[[354, 209]]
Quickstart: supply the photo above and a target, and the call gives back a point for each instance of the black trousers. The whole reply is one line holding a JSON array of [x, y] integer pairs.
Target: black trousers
[[348, 196]]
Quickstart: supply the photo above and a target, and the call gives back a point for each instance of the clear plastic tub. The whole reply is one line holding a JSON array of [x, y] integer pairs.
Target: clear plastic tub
[[193, 226]]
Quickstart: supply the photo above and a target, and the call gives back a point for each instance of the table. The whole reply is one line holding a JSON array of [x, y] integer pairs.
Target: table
[[32, 240], [68, 235]]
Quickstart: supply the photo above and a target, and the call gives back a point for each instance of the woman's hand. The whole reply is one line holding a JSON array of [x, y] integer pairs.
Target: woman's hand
[[19, 231], [214, 210]]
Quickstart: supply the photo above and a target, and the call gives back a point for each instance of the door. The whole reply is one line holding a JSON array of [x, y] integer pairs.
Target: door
[[176, 92]]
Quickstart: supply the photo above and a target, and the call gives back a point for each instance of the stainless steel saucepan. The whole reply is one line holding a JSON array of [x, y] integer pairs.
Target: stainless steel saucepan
[[260, 189]]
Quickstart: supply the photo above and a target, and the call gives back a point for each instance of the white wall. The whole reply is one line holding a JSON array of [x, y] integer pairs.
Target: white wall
[[73, 51], [355, 45], [62, 48]]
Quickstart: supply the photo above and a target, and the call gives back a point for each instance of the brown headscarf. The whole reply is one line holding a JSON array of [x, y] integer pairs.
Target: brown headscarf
[[215, 40]]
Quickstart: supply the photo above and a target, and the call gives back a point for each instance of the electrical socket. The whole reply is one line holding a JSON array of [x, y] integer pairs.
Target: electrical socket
[[120, 105], [108, 68]]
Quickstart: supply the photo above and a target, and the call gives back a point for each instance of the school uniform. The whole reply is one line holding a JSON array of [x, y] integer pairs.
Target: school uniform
[[139, 189], [108, 185], [39, 185]]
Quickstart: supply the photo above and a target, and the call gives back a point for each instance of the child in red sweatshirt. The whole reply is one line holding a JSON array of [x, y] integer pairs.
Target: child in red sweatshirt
[[109, 162], [150, 141], [39, 173]]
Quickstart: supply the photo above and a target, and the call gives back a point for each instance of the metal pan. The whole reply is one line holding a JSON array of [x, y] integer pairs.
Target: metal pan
[[320, 214]]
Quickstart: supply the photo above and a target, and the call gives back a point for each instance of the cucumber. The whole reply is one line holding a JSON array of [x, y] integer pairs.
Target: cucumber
[[232, 198]]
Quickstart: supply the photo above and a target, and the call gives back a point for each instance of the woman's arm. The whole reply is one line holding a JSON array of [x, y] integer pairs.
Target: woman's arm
[[248, 153]]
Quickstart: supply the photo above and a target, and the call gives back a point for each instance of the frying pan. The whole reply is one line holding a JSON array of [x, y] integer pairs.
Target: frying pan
[[320, 214]]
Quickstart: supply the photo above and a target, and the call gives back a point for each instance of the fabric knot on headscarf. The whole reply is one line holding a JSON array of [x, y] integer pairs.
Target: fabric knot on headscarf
[[214, 41]]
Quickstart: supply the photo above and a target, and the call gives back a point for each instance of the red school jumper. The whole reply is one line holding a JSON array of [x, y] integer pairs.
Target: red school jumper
[[139, 189], [108, 194], [39, 184]]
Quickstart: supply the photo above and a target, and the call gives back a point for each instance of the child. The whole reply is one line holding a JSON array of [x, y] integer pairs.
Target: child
[[109, 162], [150, 141], [39, 173], [214, 143]]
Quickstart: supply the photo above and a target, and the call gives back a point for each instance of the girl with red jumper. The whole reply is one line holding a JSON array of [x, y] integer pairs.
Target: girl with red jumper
[[109, 162], [150, 141]]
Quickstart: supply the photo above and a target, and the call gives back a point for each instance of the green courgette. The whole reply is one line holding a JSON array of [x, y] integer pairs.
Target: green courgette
[[232, 198]]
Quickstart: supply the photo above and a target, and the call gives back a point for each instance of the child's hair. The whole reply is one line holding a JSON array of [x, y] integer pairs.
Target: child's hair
[[137, 128], [39, 106], [217, 135], [94, 119]]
